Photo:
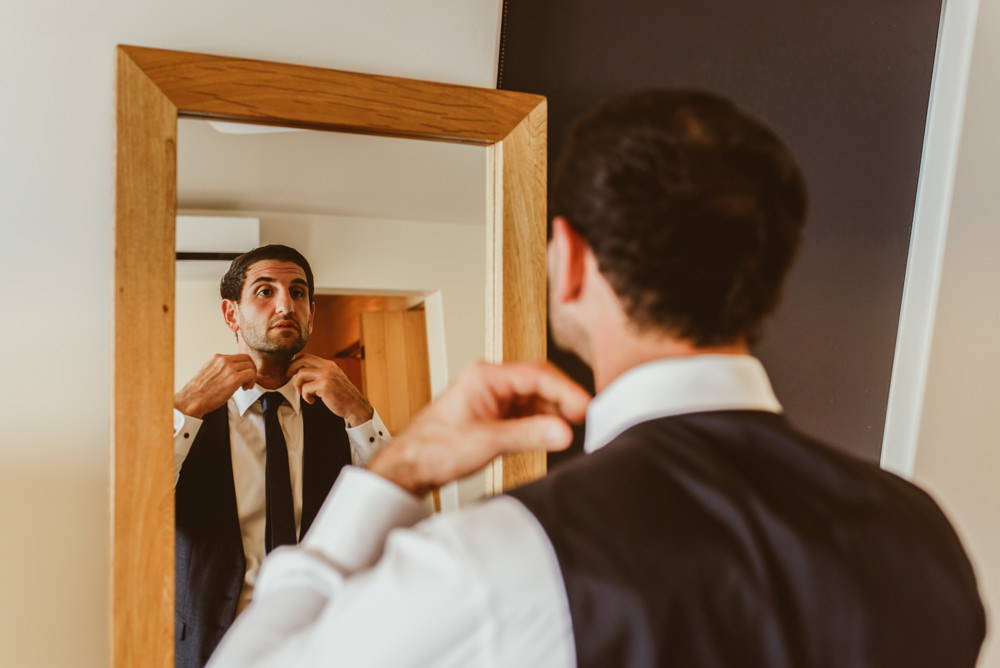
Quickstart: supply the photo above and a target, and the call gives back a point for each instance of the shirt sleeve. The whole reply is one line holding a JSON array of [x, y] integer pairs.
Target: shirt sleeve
[[185, 429], [368, 587], [367, 439]]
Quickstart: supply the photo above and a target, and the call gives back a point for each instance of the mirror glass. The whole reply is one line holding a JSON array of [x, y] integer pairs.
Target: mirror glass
[[386, 224]]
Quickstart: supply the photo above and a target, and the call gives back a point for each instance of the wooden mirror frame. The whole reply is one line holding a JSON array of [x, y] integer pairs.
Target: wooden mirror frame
[[154, 89]]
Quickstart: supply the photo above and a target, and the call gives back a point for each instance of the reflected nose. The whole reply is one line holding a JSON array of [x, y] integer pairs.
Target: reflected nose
[[283, 304]]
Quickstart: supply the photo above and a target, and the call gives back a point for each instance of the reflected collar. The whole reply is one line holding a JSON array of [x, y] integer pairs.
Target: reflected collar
[[246, 398]]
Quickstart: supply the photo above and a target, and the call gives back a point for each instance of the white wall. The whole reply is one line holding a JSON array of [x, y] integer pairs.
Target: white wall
[[56, 218], [957, 454], [199, 331]]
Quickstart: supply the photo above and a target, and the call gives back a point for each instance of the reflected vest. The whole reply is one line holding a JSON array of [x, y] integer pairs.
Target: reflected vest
[[728, 539], [209, 560]]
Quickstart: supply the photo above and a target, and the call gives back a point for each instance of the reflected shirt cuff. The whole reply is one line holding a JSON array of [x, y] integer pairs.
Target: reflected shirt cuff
[[185, 430], [367, 439]]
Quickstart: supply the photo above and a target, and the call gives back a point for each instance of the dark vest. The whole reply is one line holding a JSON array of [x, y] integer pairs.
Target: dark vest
[[209, 559], [727, 539]]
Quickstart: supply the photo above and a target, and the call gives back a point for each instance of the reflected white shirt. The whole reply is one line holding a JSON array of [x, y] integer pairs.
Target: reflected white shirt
[[371, 585], [249, 451]]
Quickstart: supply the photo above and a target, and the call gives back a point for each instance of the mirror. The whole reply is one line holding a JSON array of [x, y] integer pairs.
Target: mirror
[[375, 216], [154, 89]]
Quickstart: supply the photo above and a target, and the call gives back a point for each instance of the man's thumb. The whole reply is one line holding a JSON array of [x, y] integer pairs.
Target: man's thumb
[[538, 432]]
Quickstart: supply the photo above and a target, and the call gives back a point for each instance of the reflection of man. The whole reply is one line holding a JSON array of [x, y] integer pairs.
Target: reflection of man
[[232, 506], [701, 529]]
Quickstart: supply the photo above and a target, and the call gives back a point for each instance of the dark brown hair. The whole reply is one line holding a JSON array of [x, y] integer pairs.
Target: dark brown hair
[[231, 286], [693, 209]]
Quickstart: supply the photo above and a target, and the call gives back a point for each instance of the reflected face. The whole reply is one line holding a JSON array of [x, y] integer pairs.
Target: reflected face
[[274, 314]]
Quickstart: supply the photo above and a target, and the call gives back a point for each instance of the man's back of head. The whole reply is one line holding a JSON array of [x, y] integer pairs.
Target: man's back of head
[[693, 210]]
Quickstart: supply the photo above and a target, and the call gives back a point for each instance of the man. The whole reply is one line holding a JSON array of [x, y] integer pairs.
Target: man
[[700, 529], [250, 477]]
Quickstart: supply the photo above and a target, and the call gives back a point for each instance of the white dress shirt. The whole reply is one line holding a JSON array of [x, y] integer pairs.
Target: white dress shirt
[[248, 450], [371, 585]]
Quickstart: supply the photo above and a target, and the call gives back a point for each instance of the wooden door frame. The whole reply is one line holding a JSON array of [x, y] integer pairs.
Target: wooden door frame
[[156, 87]]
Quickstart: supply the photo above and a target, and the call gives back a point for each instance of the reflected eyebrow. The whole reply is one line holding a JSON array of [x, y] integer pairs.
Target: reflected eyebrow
[[268, 279], [262, 279]]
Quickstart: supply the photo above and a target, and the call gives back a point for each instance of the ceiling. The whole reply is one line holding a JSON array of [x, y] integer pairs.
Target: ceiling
[[312, 172], [451, 41]]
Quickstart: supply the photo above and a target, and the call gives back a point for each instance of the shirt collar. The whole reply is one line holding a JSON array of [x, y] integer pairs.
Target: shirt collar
[[675, 386], [246, 398]]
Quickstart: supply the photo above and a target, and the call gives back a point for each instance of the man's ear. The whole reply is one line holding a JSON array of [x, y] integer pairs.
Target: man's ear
[[312, 317], [229, 315], [567, 253]]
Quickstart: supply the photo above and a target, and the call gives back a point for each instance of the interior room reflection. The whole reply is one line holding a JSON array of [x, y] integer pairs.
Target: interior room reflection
[[388, 225]]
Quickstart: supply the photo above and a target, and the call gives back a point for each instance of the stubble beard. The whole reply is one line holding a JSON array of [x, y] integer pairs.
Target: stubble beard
[[279, 349]]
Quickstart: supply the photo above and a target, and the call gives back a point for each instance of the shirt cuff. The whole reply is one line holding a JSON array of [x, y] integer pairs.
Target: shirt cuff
[[185, 429], [367, 439], [360, 511]]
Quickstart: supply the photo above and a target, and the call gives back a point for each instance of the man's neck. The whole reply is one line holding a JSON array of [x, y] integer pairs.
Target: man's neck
[[271, 369], [627, 350]]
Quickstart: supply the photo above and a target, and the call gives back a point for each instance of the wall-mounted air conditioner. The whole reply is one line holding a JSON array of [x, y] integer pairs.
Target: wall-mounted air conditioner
[[207, 244]]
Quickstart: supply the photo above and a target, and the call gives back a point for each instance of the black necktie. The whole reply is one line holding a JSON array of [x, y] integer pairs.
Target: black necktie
[[280, 526]]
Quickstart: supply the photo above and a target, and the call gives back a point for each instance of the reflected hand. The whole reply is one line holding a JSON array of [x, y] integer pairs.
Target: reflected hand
[[317, 377], [489, 410], [212, 386]]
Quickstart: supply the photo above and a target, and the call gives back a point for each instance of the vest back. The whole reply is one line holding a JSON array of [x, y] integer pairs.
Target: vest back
[[729, 539]]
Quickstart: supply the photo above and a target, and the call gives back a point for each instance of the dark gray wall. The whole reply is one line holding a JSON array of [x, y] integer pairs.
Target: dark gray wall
[[846, 84]]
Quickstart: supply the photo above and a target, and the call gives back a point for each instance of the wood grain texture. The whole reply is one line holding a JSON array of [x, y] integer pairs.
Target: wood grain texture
[[156, 87], [396, 372], [142, 551], [336, 325], [278, 94], [516, 266]]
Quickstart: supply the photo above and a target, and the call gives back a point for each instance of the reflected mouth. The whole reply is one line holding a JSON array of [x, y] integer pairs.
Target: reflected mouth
[[285, 324]]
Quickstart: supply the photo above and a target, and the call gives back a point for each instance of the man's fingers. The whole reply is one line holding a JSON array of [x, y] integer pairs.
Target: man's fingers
[[538, 432], [307, 361], [214, 383], [249, 378], [307, 388], [433, 460], [490, 410], [569, 396], [541, 383]]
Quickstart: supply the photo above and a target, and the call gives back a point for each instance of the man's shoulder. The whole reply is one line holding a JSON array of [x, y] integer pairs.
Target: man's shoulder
[[746, 457]]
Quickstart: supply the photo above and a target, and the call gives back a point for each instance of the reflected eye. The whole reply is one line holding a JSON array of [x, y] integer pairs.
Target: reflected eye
[[298, 294], [264, 292]]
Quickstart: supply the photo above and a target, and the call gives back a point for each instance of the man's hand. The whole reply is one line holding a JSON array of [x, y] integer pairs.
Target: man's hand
[[317, 377], [489, 410], [215, 383]]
